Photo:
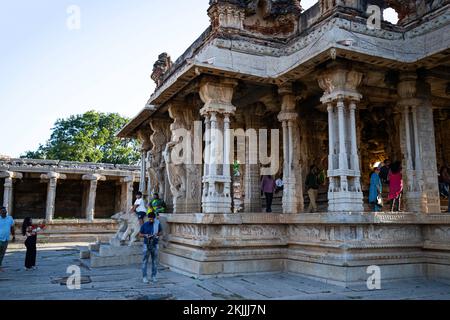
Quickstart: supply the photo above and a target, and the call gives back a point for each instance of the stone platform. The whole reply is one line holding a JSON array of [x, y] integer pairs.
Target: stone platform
[[107, 255], [333, 248], [125, 283]]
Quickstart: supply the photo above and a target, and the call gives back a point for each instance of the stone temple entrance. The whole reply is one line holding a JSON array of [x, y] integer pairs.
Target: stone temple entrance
[[341, 96]]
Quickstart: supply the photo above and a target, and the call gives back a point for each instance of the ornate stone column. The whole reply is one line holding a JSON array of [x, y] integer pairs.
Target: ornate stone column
[[183, 169], [293, 201], [93, 181], [217, 95], [144, 137], [158, 180], [252, 177], [127, 193], [8, 188], [52, 178], [417, 139], [341, 97]]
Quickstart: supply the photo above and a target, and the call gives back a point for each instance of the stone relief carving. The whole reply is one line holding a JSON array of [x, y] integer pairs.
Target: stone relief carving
[[160, 68], [176, 174], [157, 168]]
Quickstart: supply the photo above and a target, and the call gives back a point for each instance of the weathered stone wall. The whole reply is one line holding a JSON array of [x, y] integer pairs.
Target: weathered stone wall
[[30, 196], [69, 199]]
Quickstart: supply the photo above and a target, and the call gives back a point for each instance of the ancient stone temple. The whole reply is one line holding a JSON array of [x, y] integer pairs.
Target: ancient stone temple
[[272, 89], [76, 200]]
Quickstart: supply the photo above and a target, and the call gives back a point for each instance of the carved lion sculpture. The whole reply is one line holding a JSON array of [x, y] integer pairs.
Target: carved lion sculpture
[[129, 227]]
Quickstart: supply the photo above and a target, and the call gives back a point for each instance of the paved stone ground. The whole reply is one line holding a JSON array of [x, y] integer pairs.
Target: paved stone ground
[[124, 283]]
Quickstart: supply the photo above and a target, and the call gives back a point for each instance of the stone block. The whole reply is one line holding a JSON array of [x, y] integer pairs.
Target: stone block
[[85, 254]]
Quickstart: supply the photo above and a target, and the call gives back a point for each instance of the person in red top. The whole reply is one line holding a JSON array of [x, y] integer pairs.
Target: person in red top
[[396, 186]]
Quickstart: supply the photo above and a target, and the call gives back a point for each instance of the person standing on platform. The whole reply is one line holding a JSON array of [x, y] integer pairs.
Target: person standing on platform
[[312, 187], [396, 186], [30, 232], [268, 186], [150, 231], [375, 191], [6, 230]]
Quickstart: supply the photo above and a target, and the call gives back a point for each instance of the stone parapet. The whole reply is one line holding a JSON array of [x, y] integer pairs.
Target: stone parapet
[[336, 248]]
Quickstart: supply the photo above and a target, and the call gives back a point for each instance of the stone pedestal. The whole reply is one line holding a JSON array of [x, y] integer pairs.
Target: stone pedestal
[[115, 255]]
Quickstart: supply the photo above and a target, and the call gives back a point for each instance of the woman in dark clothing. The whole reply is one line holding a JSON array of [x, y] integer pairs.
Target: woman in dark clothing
[[30, 243]]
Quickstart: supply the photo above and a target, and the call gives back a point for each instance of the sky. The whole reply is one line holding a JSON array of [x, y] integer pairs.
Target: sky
[[61, 57]]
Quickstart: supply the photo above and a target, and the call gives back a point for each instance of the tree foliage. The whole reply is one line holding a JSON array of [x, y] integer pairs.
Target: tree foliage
[[89, 137]]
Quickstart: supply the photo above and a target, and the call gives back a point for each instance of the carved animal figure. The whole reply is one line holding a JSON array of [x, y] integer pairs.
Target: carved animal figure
[[160, 68], [129, 227]]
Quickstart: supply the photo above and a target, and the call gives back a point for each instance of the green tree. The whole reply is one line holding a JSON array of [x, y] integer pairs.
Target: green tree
[[89, 137]]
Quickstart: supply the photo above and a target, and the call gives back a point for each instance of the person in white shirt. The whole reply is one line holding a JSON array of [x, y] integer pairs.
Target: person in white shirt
[[140, 208], [280, 185]]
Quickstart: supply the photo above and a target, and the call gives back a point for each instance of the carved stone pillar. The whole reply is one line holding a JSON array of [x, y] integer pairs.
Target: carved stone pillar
[[144, 137], [52, 178], [252, 176], [8, 188], [93, 181], [341, 97], [126, 193], [217, 95], [417, 138], [183, 157], [158, 180], [293, 201]]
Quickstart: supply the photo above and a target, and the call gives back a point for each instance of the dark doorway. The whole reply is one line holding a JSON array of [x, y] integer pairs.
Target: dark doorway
[[69, 199], [30, 197]]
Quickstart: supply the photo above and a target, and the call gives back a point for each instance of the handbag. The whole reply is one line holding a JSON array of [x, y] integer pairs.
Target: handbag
[[379, 200]]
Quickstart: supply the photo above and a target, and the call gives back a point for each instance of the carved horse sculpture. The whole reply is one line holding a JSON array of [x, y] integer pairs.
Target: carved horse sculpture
[[129, 227]]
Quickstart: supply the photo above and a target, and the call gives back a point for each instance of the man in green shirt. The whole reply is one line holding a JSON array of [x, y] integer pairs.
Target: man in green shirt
[[157, 205]]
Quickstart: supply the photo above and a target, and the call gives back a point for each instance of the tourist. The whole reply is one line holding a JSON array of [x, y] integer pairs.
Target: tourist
[[140, 208], [395, 186], [375, 191], [444, 181], [384, 171], [280, 185], [156, 205], [6, 230], [312, 187], [30, 232], [268, 186], [150, 231]]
